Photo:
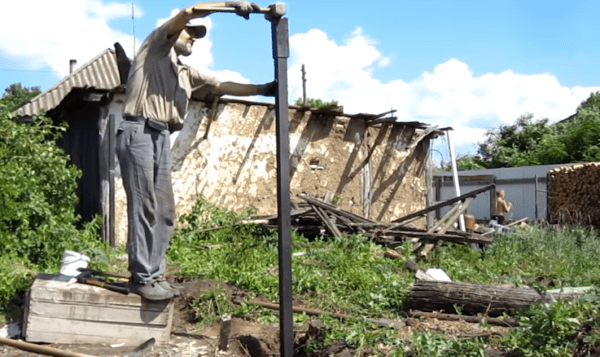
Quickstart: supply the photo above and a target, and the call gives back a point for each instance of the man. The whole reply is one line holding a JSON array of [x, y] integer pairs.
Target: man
[[159, 88]]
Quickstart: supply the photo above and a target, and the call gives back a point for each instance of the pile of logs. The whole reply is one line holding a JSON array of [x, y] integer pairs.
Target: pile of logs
[[574, 193]]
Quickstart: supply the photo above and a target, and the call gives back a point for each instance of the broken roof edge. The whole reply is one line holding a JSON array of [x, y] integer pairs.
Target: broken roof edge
[[372, 119], [101, 72]]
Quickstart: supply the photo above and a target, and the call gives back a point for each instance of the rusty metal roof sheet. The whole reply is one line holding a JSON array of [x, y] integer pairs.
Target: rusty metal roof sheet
[[100, 73]]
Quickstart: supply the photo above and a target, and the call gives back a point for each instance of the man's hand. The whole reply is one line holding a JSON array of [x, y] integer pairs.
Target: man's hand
[[268, 89], [243, 8]]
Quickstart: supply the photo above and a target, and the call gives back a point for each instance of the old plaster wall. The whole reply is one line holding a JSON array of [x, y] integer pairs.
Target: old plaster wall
[[231, 162]]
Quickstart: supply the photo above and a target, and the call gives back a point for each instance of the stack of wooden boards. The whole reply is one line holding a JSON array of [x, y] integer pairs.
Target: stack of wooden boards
[[574, 193]]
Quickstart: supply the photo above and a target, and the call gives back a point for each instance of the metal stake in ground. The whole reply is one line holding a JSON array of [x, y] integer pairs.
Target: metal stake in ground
[[224, 333], [280, 39]]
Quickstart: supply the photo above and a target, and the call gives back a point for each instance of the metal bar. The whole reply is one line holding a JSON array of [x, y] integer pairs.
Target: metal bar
[[303, 85], [480, 180], [280, 39], [547, 197], [536, 198], [428, 181], [492, 195], [438, 195], [455, 177], [111, 179]]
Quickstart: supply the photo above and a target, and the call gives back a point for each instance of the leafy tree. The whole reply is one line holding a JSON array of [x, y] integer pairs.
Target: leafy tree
[[534, 142], [37, 202], [581, 137], [16, 95], [37, 186], [469, 162]]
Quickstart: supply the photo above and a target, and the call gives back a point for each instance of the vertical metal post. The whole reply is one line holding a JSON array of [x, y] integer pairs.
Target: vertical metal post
[[429, 200], [303, 85], [438, 194], [111, 179], [280, 38], [536, 198], [548, 215], [461, 219], [492, 195]]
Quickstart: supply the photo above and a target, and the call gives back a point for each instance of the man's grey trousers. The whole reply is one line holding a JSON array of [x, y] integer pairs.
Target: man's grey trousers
[[144, 152]]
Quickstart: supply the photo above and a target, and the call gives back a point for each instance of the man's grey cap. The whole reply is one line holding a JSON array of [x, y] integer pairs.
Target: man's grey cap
[[196, 31]]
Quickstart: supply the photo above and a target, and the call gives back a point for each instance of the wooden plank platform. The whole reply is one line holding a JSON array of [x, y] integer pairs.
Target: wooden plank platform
[[58, 312]]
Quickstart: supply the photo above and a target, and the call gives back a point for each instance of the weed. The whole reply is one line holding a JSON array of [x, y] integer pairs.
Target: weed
[[550, 329], [211, 305]]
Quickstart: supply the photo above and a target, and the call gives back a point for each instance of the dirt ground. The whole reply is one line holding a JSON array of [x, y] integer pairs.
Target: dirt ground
[[248, 338]]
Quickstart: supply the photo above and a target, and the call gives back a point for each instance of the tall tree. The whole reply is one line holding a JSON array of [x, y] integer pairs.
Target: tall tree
[[16, 95], [531, 141]]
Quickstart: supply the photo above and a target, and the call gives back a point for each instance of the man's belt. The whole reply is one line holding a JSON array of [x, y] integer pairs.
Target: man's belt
[[154, 124]]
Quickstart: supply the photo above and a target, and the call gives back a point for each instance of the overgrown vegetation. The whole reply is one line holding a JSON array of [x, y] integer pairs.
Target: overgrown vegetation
[[37, 201], [350, 275], [535, 142], [318, 103]]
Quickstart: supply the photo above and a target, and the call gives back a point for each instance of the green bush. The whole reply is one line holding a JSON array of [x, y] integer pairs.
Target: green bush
[[37, 200], [37, 190]]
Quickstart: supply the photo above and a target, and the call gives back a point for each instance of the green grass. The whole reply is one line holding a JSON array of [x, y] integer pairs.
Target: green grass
[[568, 257], [350, 275]]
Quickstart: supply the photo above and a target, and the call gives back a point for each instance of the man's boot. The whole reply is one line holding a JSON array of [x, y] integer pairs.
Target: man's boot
[[164, 284], [149, 290]]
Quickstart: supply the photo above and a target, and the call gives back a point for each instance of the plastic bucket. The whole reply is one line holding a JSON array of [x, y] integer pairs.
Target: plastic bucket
[[71, 261]]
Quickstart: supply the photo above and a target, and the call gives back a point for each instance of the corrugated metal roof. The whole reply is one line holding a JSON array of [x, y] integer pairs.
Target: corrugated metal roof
[[101, 73]]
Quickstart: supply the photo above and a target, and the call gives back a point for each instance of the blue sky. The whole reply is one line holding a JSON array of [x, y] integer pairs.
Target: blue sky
[[470, 65]]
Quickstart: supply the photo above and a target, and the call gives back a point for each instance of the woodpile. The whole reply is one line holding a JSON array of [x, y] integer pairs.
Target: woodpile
[[315, 217], [574, 193]]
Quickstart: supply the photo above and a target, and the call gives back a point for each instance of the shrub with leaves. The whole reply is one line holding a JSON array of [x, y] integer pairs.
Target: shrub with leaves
[[37, 189], [37, 200]]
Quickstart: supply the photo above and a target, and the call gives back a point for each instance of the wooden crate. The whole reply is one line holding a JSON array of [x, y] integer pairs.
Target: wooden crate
[[58, 312]]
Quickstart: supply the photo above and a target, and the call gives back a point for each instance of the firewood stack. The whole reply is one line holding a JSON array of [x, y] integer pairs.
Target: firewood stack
[[574, 194]]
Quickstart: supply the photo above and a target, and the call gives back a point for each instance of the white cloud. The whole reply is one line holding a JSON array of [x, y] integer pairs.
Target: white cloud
[[446, 95], [41, 33], [450, 95]]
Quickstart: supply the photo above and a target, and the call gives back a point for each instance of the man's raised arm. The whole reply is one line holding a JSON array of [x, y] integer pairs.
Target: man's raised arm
[[203, 9]]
